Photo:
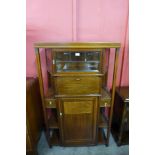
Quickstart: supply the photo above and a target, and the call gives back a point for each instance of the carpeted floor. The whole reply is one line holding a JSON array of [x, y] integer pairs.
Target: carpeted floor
[[112, 149]]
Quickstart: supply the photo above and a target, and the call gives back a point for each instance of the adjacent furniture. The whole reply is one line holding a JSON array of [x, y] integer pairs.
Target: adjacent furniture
[[76, 102], [120, 121], [34, 115]]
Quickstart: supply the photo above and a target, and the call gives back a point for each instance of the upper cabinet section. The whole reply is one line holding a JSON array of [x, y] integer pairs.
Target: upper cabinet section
[[63, 59], [77, 61]]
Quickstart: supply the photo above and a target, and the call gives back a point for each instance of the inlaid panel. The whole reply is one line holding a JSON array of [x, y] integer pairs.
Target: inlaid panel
[[78, 120], [75, 107], [77, 85]]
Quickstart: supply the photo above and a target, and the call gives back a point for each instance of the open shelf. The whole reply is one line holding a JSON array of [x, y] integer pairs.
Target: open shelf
[[78, 61], [55, 140], [103, 123], [101, 137], [53, 124], [105, 98], [52, 120]]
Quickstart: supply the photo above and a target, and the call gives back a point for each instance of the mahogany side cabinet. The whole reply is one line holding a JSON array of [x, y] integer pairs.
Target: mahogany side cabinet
[[34, 115], [120, 121], [75, 93]]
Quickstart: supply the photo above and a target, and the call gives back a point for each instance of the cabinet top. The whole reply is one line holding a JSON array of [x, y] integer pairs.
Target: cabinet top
[[77, 45]]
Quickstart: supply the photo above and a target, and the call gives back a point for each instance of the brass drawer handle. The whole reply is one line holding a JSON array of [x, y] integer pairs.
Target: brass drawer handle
[[77, 79], [105, 104], [50, 102]]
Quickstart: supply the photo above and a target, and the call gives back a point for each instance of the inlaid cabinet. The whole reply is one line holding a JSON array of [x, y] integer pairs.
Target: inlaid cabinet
[[77, 102]]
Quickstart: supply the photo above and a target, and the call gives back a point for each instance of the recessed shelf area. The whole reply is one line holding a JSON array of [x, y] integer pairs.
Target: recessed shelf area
[[101, 137], [55, 139], [53, 119], [53, 123], [103, 123]]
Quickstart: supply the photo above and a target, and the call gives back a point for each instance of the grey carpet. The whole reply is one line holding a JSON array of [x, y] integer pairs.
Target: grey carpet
[[112, 149]]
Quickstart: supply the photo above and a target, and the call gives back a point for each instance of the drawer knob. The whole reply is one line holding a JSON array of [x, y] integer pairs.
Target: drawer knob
[[78, 79], [105, 104], [50, 102], [60, 114]]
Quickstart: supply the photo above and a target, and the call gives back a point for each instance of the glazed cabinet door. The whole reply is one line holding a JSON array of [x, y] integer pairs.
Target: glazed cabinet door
[[78, 117]]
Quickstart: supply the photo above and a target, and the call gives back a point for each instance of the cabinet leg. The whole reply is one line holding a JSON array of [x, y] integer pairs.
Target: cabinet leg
[[106, 144], [118, 143]]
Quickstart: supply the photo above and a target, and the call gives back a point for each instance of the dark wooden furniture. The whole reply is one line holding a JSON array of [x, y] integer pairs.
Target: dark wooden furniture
[[34, 115], [120, 121], [77, 97]]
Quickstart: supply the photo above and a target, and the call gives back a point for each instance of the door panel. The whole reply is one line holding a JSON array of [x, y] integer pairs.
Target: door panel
[[79, 107], [78, 120]]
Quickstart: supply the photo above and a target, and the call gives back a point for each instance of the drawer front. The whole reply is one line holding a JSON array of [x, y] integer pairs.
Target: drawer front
[[77, 85], [105, 103], [50, 103]]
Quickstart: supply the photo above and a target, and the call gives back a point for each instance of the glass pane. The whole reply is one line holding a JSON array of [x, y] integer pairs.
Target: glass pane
[[93, 56], [62, 56], [77, 61], [77, 56]]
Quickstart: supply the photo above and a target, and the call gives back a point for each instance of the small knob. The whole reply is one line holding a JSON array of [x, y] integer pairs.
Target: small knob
[[60, 114], [77, 79], [105, 104], [50, 102]]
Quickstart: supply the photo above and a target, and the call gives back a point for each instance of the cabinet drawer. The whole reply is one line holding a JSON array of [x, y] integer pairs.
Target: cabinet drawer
[[50, 103], [77, 85]]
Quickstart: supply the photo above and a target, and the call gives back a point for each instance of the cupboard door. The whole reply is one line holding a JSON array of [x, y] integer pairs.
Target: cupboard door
[[78, 117]]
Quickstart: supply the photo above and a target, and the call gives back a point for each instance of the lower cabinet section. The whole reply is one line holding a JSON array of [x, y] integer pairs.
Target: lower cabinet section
[[78, 120]]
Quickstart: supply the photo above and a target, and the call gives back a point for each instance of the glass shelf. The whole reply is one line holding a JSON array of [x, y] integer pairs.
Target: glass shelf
[[78, 61]]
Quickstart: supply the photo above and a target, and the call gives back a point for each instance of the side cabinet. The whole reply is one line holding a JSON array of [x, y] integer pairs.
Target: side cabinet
[[120, 121], [78, 120], [34, 115]]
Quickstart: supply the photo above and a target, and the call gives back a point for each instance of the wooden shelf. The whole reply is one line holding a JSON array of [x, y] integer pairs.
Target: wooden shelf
[[105, 98], [53, 123], [101, 138], [105, 94], [103, 123], [54, 140]]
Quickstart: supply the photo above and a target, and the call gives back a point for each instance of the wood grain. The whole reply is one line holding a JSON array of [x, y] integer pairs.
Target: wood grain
[[78, 127], [89, 45], [77, 85]]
